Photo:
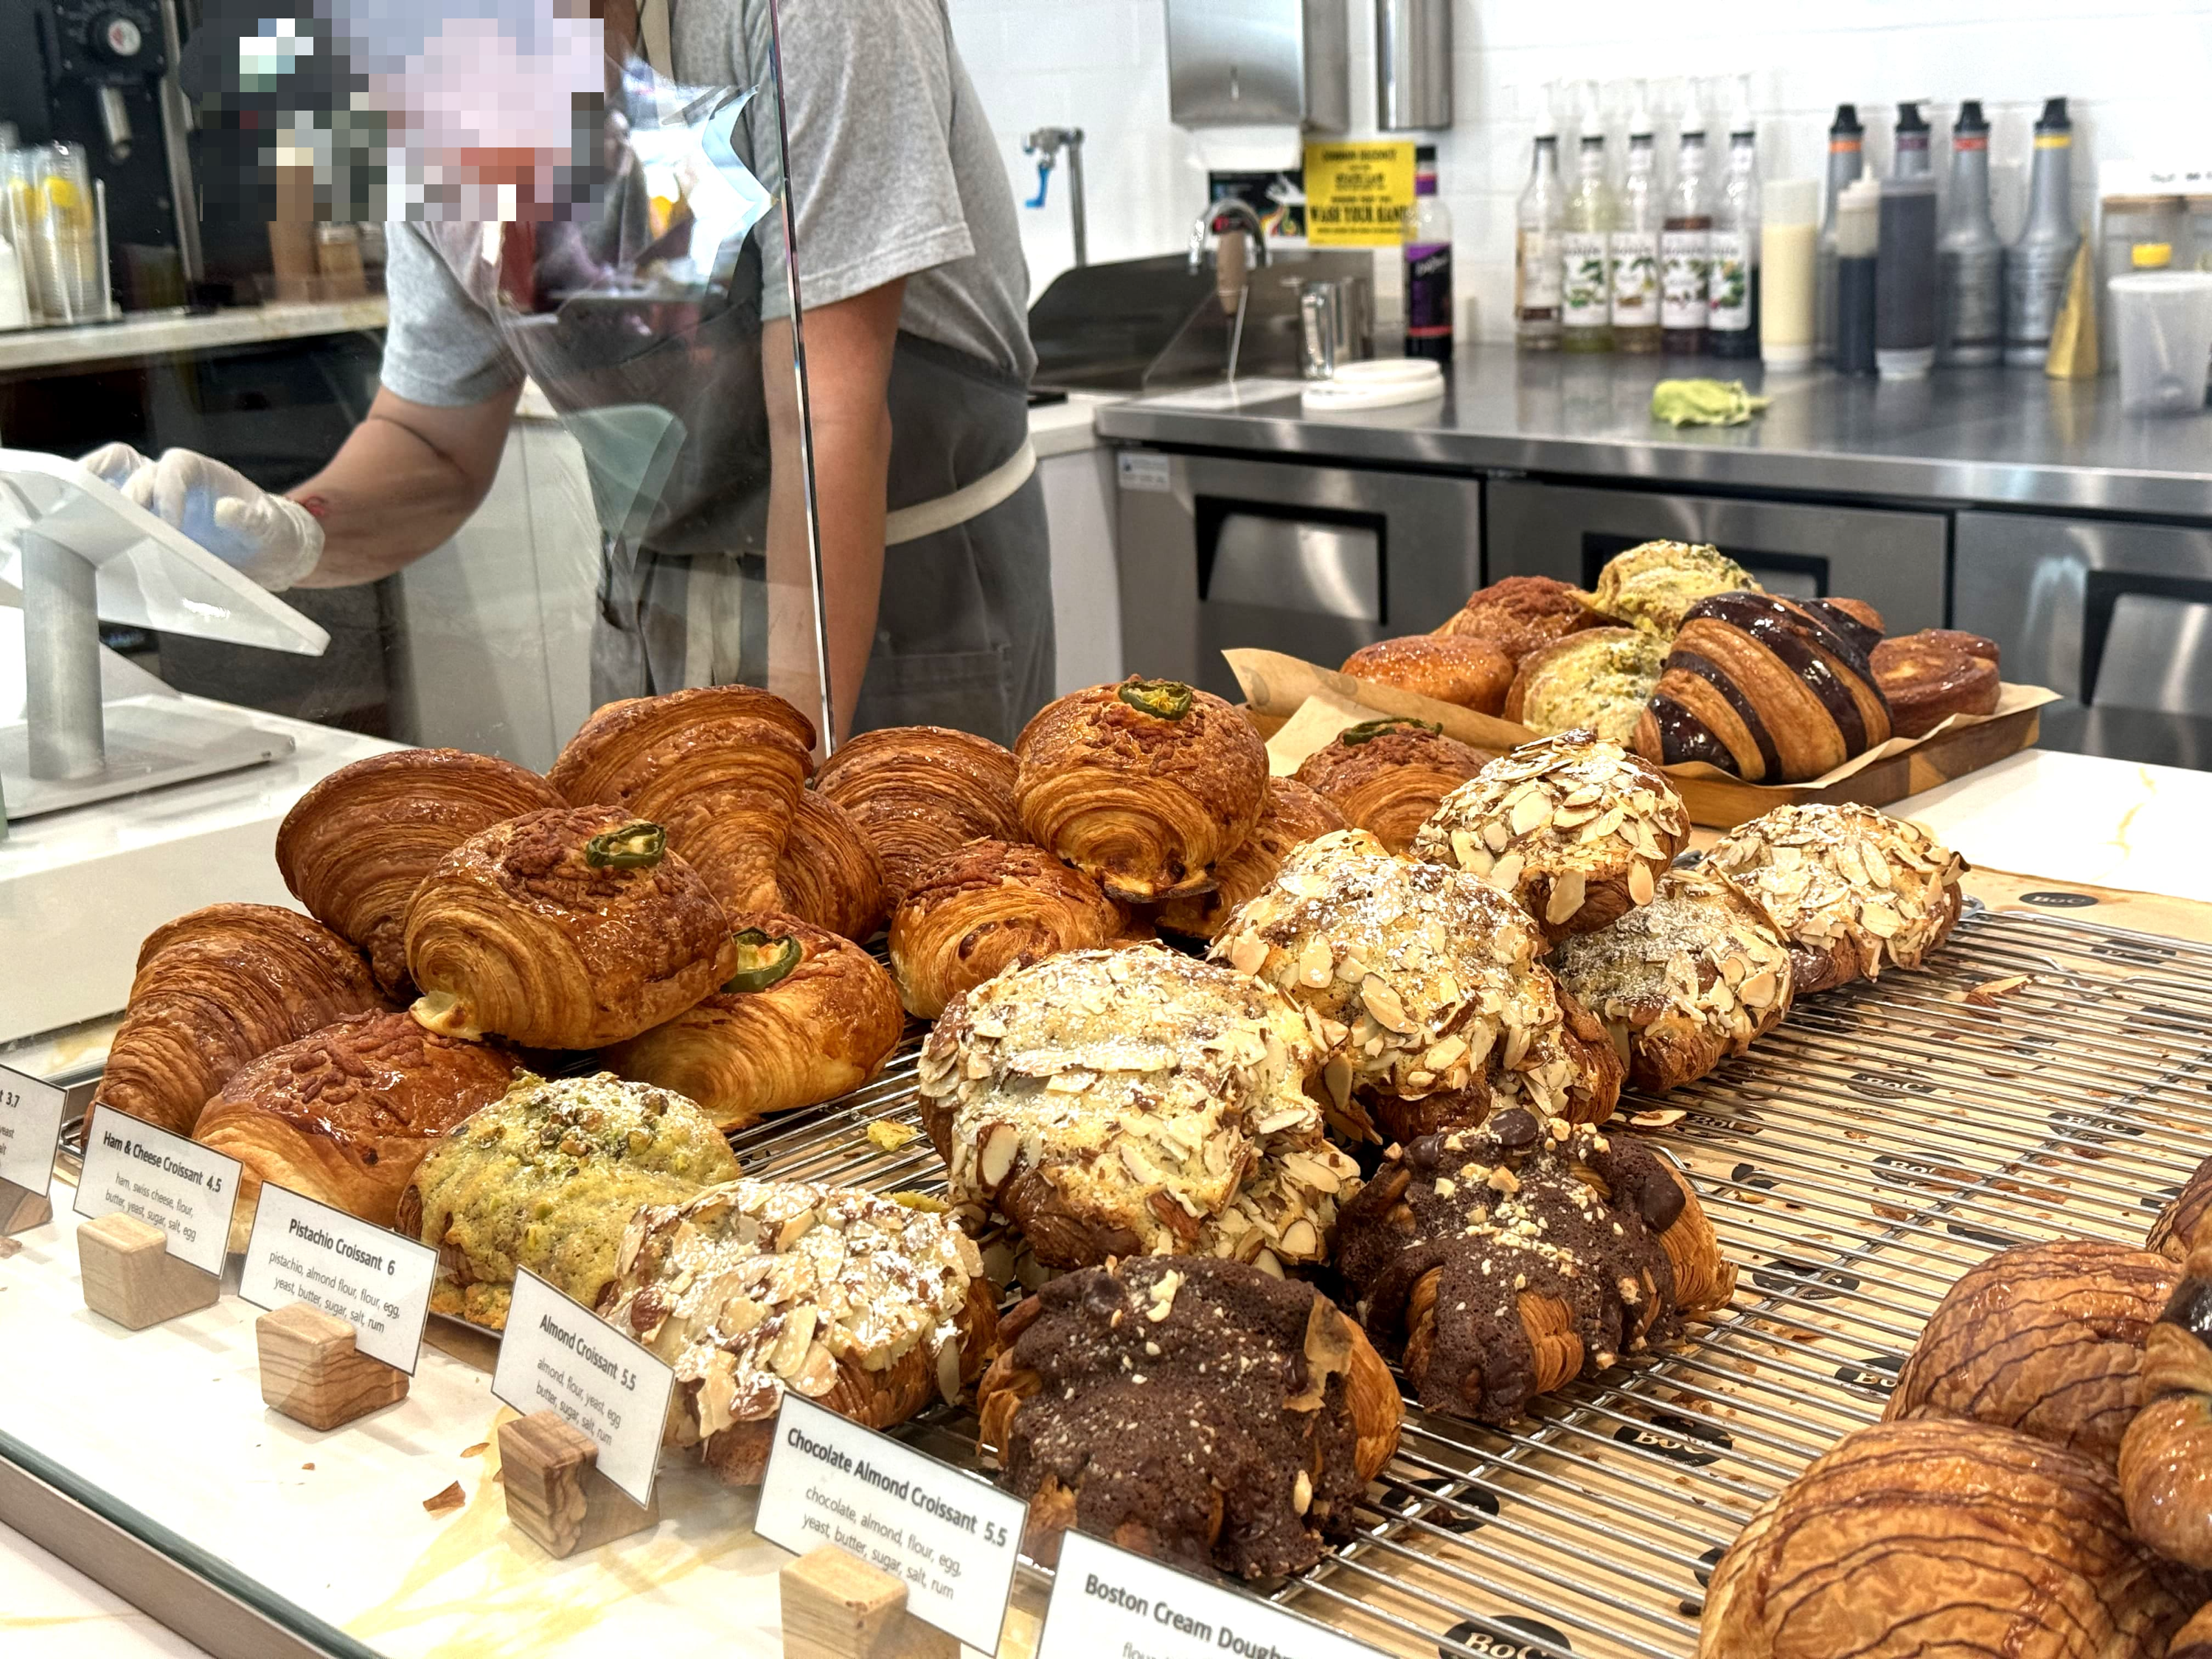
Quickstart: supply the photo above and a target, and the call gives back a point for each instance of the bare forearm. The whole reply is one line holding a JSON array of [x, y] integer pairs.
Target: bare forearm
[[849, 345], [392, 495]]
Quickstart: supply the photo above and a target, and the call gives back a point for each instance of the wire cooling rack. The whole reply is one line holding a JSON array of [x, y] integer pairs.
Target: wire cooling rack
[[2043, 1077]]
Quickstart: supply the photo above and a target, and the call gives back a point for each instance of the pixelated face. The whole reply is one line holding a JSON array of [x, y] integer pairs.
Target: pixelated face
[[472, 109]]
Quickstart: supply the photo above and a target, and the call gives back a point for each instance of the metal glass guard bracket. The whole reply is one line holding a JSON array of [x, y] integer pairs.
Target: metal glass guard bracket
[[74, 745]]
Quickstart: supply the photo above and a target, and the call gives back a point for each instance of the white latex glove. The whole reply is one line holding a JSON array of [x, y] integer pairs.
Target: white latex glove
[[274, 540]]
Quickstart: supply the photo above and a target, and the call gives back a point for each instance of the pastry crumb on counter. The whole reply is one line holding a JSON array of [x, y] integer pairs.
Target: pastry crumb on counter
[[889, 1137], [477, 1451], [446, 1502]]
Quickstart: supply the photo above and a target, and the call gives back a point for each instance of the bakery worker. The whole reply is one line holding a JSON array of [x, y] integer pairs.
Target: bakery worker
[[913, 284]]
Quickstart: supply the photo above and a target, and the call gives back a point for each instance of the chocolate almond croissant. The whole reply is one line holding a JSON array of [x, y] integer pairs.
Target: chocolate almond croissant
[[1910, 1539], [917, 792], [1195, 1410], [564, 929], [217, 987], [1500, 1263], [828, 872], [807, 1016], [2047, 1338], [355, 847], [985, 907], [870, 1310], [719, 767], [1387, 776], [1144, 786], [346, 1113], [1768, 689]]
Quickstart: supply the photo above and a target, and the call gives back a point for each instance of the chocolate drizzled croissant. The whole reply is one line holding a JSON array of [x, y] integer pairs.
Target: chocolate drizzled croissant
[[1768, 689], [2166, 1457], [2047, 1338], [1909, 1539]]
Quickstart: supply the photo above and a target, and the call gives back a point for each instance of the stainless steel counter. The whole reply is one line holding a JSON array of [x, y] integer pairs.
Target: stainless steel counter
[[1994, 436]]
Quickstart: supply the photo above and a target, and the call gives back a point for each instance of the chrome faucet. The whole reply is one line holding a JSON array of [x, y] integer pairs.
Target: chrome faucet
[[1231, 207]]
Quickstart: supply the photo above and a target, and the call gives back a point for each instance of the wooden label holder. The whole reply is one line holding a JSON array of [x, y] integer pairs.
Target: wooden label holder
[[22, 1209], [836, 1606], [130, 1277], [312, 1372], [556, 1495]]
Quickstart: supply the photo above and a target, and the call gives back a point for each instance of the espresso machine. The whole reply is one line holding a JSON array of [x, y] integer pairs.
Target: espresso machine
[[102, 74]]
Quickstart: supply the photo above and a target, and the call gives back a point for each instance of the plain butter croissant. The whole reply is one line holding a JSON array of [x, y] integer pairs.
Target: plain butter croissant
[[355, 847], [564, 929], [1143, 785], [807, 1016], [719, 767], [829, 874], [986, 907], [217, 987], [917, 792]]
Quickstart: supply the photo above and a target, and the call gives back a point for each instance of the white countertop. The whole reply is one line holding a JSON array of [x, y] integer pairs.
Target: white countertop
[[1064, 428], [148, 333]]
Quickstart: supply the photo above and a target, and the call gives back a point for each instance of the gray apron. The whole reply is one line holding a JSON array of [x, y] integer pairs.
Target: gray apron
[[964, 630]]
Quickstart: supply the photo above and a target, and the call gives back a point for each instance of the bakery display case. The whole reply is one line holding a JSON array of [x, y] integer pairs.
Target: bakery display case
[[1380, 1193]]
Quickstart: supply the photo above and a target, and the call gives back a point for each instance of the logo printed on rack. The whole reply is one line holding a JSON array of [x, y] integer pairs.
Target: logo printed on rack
[[1525, 1638], [1440, 1501], [1671, 1437], [1876, 1375]]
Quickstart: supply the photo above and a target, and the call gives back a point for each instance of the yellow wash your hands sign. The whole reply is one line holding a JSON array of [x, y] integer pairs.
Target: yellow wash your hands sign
[[1357, 193]]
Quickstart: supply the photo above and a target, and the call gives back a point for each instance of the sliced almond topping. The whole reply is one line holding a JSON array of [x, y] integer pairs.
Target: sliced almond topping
[[1300, 1240], [1381, 1002], [1469, 854], [1316, 963], [1640, 884], [1760, 990], [1495, 835], [1878, 920], [1531, 812], [994, 1152], [1567, 890], [1506, 872], [1248, 953], [1302, 1492]]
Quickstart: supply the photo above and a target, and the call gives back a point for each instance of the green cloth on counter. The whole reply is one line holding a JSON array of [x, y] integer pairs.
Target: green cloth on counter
[[1705, 403]]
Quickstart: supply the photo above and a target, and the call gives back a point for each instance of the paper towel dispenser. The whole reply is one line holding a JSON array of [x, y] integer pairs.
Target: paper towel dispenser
[[1259, 63]]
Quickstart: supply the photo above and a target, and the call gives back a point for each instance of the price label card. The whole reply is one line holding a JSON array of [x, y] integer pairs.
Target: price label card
[[558, 1354], [1356, 194], [30, 1129], [954, 1539], [176, 1184], [377, 1280], [1105, 1600]]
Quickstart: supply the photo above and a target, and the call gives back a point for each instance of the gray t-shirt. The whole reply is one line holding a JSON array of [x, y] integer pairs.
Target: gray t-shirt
[[897, 174]]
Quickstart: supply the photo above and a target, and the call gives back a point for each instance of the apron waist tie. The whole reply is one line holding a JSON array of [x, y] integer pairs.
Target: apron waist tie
[[971, 500]]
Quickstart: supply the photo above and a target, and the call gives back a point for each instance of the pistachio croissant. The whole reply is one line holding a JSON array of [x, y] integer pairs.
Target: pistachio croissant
[[564, 929], [807, 1016], [719, 767], [1143, 785], [355, 847], [217, 987]]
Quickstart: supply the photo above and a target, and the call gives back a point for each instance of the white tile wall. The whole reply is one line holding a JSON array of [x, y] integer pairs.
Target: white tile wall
[[2137, 75]]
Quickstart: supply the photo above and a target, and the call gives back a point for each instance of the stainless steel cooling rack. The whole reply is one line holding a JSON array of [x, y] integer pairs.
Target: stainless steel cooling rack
[[2044, 1077]]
